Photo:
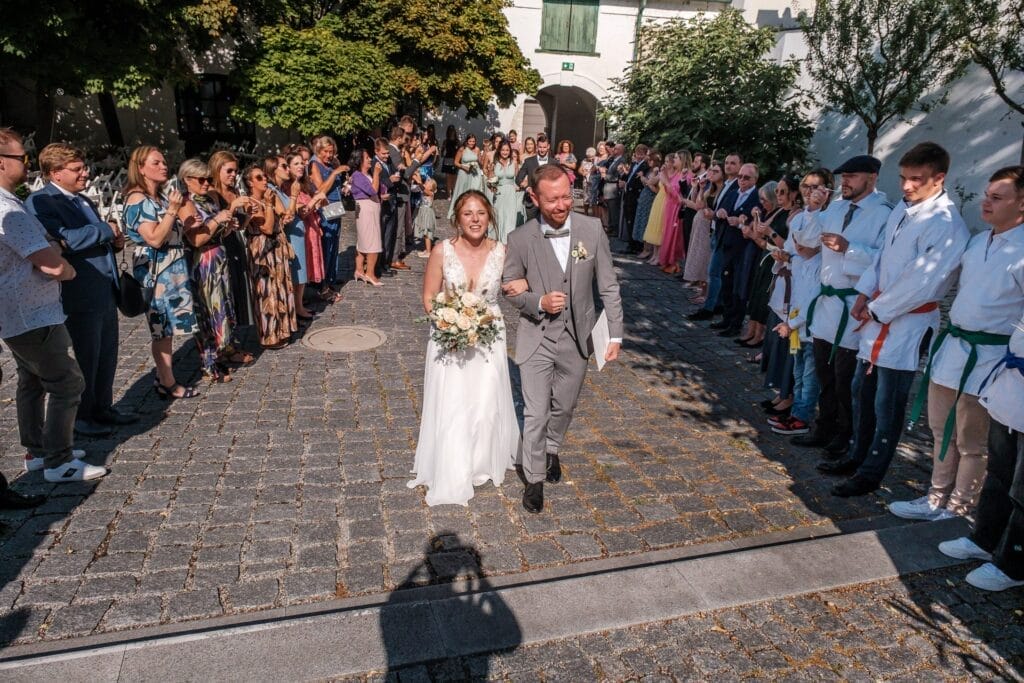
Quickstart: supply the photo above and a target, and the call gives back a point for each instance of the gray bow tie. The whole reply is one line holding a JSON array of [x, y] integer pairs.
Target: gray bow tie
[[550, 234]]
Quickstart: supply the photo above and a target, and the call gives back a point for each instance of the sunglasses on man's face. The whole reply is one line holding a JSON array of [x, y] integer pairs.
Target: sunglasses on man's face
[[746, 177], [23, 157]]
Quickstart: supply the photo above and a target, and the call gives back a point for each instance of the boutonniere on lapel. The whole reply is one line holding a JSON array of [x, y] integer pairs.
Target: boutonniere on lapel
[[579, 252]]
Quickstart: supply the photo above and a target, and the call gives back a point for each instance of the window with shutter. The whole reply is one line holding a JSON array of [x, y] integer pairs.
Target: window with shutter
[[569, 25]]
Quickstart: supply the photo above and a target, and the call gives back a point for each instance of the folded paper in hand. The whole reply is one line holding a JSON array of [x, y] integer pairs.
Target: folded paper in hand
[[599, 336]]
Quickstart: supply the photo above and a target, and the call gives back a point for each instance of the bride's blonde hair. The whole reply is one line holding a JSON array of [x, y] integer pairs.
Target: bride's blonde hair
[[461, 201]]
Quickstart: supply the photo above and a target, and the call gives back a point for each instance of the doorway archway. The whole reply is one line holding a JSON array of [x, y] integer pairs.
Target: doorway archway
[[564, 112]]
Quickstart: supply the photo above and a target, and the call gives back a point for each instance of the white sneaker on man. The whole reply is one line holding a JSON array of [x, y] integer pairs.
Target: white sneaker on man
[[964, 548], [74, 470], [36, 464], [991, 578], [919, 508]]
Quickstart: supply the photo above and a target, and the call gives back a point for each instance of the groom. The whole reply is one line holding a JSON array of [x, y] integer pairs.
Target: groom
[[561, 255]]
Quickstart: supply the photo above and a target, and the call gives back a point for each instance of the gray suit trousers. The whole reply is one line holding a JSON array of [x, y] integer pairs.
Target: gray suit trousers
[[551, 380]]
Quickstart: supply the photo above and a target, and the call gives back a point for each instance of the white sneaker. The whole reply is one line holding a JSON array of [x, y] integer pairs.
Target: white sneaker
[[74, 470], [991, 578], [964, 548], [919, 509], [36, 464]]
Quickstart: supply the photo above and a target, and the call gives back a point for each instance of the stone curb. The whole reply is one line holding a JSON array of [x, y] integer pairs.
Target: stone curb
[[437, 622]]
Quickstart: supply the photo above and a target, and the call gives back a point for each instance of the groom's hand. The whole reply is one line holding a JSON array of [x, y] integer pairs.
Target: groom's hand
[[553, 302], [612, 353]]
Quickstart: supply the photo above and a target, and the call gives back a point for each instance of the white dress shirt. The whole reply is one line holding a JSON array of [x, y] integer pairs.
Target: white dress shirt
[[81, 202], [542, 161], [842, 269], [1003, 396], [990, 299], [917, 263]]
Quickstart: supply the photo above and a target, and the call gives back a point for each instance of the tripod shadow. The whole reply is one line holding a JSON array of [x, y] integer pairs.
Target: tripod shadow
[[472, 621]]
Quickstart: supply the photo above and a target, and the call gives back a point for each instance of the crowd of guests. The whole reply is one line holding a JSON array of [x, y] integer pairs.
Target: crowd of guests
[[838, 288]]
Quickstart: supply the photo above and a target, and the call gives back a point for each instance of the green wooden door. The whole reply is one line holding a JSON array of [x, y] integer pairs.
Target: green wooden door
[[583, 25], [556, 16]]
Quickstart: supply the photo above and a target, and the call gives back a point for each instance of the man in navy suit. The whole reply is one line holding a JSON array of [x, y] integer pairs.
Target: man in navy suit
[[732, 216], [718, 296], [89, 300]]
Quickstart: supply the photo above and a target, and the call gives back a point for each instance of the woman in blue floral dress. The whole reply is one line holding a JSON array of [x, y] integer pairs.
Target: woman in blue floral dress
[[151, 222]]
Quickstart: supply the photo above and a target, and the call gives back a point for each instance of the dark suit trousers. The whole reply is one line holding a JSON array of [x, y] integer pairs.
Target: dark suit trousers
[[835, 402], [94, 336], [999, 525], [629, 200], [388, 233], [732, 264]]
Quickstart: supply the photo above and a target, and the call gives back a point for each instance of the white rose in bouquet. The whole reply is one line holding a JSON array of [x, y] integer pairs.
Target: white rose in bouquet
[[440, 297], [449, 315], [464, 322], [469, 299]]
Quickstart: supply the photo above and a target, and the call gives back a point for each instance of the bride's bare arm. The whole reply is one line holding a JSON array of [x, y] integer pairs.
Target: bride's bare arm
[[433, 276]]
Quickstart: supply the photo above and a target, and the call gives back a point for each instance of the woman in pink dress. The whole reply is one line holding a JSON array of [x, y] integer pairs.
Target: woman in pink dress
[[672, 235]]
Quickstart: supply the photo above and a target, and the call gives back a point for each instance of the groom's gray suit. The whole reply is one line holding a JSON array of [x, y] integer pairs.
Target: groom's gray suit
[[552, 350]]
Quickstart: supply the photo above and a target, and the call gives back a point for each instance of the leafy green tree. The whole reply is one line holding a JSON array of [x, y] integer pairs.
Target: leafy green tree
[[455, 53], [113, 48], [878, 59], [710, 83], [311, 80], [996, 44]]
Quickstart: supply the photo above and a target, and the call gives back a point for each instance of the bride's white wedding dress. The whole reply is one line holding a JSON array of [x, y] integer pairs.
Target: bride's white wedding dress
[[468, 427]]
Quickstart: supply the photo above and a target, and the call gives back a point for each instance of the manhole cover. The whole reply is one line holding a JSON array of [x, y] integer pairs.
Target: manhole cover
[[345, 339]]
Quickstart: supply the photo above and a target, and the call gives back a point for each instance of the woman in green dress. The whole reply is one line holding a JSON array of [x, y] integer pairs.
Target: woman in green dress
[[506, 197], [471, 175]]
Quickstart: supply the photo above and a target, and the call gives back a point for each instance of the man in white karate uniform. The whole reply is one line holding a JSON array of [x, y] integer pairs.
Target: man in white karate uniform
[[898, 303]]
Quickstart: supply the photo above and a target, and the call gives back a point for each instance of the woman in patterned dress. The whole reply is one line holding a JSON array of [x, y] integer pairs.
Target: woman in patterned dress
[[224, 171], [301, 205], [207, 223], [270, 254], [151, 222]]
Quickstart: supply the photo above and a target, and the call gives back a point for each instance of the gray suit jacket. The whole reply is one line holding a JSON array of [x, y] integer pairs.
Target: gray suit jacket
[[528, 255]]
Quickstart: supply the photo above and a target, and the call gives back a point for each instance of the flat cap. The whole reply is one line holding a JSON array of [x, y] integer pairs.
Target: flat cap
[[864, 163]]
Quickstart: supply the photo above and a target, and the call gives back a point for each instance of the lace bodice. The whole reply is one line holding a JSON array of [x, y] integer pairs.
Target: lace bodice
[[488, 284]]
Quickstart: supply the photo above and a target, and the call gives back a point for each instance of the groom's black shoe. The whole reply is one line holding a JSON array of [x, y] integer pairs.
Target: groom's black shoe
[[533, 497], [554, 469]]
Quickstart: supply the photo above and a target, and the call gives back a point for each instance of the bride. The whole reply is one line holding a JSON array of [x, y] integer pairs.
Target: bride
[[468, 427]]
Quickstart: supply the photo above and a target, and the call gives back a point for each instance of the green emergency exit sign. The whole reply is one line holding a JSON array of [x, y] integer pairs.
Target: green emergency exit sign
[[568, 66]]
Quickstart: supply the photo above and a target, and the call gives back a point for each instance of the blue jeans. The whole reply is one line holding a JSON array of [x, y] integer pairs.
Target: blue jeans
[[805, 384], [330, 242], [879, 411], [715, 269]]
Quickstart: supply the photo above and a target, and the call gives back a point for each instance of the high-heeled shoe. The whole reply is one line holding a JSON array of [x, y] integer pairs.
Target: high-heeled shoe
[[360, 276], [375, 283]]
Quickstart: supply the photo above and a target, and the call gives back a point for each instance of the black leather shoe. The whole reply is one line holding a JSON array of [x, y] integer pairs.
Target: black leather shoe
[[810, 440], [720, 325], [554, 469], [838, 446], [533, 497], [113, 416], [854, 486], [92, 428], [702, 314], [844, 467], [729, 332], [12, 500]]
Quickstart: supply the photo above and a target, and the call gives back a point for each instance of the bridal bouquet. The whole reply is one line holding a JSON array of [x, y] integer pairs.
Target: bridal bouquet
[[461, 320]]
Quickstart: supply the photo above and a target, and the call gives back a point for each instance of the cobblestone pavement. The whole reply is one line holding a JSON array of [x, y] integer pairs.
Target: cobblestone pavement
[[288, 485], [928, 627]]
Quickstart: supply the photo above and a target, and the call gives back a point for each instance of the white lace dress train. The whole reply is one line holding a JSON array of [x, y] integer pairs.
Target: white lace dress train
[[468, 428]]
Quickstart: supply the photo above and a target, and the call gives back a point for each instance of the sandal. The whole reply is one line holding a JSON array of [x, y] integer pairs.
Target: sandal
[[328, 295], [167, 393], [275, 347], [217, 376], [241, 357]]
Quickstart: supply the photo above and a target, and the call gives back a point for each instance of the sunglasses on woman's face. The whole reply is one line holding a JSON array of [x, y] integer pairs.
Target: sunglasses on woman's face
[[260, 177], [202, 181]]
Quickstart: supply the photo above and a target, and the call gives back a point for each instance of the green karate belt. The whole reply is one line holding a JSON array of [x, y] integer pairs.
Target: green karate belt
[[975, 339], [829, 290]]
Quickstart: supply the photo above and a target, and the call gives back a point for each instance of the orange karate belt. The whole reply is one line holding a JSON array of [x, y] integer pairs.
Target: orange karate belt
[[876, 348]]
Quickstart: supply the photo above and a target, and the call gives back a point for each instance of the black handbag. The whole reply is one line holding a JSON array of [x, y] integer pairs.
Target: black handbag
[[133, 298]]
